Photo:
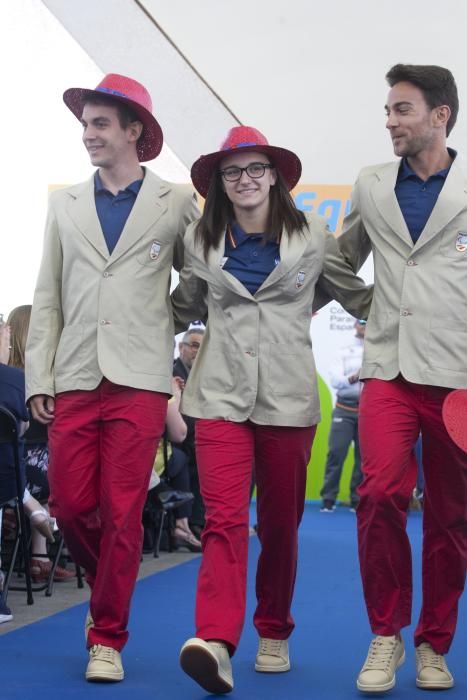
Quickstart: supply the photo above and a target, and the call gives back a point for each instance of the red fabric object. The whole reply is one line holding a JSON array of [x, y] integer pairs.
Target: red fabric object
[[135, 96], [392, 415], [226, 454], [246, 138], [455, 417], [102, 445]]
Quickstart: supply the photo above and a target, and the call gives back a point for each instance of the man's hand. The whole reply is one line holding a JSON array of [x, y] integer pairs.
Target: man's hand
[[178, 384], [42, 408], [352, 378]]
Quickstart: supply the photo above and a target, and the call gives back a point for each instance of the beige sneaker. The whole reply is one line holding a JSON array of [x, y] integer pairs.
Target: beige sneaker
[[105, 664], [379, 670], [432, 670], [272, 656], [88, 623], [208, 663]]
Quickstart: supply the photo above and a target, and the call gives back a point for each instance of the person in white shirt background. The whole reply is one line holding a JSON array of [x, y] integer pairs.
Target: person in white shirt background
[[344, 375]]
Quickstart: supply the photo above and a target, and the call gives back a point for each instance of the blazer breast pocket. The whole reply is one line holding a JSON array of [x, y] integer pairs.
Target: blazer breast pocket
[[154, 252], [453, 244]]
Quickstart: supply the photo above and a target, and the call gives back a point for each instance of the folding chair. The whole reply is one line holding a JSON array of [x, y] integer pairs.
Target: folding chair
[[158, 515], [9, 436]]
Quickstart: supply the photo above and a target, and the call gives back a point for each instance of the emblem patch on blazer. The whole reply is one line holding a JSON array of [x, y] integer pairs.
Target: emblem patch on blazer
[[155, 250], [461, 241], [300, 281]]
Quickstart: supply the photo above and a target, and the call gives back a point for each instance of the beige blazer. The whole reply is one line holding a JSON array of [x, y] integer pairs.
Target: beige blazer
[[256, 360], [418, 321], [97, 315]]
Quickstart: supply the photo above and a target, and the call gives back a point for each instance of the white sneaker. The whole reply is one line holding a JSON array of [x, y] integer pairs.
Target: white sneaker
[[272, 656], [378, 674], [432, 670], [208, 663], [105, 664]]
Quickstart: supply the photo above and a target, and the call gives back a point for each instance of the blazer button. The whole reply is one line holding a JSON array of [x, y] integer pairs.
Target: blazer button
[[411, 263], [105, 323]]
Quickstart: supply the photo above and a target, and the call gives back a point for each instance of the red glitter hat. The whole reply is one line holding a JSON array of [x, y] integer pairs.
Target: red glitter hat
[[131, 93], [246, 138]]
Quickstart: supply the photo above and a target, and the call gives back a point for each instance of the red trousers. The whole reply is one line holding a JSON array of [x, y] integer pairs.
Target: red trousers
[[226, 455], [102, 445], [392, 414]]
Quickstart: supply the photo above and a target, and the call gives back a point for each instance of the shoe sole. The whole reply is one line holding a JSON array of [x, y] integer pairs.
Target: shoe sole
[[385, 686], [107, 678], [429, 685], [272, 669], [202, 666]]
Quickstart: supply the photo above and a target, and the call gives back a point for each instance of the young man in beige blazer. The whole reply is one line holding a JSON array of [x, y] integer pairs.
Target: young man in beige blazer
[[412, 214], [100, 348]]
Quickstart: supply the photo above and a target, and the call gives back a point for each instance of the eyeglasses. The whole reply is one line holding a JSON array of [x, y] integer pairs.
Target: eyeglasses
[[193, 346], [253, 170]]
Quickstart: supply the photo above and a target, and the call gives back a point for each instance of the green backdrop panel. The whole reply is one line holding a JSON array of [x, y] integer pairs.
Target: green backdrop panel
[[317, 463]]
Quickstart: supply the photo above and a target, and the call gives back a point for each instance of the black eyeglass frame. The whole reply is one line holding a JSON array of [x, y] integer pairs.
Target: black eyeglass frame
[[265, 166]]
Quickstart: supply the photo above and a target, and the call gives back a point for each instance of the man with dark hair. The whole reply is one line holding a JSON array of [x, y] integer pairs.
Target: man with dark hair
[[100, 348], [437, 85], [412, 214]]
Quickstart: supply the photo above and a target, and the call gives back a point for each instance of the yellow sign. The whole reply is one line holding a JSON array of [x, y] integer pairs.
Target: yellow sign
[[330, 201]]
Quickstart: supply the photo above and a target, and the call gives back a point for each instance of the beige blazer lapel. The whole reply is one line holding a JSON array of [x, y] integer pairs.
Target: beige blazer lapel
[[291, 250], [82, 210], [148, 208], [386, 202], [215, 264], [452, 199]]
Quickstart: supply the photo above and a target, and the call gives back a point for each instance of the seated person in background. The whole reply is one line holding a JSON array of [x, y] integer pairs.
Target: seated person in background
[[173, 464], [5, 612], [42, 525], [188, 348]]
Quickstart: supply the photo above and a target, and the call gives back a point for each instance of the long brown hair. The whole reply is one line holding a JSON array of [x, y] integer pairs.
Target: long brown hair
[[18, 320], [218, 211]]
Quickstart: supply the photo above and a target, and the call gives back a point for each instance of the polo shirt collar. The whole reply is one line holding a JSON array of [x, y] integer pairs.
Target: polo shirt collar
[[239, 234], [134, 187], [405, 171]]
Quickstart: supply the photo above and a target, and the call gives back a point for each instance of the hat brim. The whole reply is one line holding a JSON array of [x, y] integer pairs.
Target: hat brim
[[455, 417], [150, 142], [285, 161]]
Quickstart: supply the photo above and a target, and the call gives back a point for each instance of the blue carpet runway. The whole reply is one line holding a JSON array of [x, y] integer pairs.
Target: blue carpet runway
[[47, 659]]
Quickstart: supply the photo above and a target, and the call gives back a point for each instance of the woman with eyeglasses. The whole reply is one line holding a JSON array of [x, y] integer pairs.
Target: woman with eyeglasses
[[257, 266]]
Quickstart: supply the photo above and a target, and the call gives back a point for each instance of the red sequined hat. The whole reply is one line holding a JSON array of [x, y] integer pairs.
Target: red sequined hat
[[246, 138], [455, 417], [131, 93]]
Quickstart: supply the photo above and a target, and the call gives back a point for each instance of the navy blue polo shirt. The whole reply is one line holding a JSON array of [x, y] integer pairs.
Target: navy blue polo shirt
[[248, 258], [417, 197], [114, 210]]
